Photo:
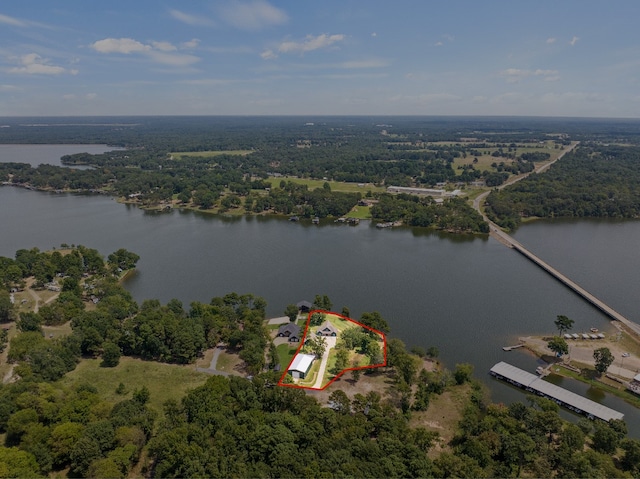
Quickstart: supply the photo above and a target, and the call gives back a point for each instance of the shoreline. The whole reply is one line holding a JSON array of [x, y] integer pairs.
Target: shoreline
[[579, 363]]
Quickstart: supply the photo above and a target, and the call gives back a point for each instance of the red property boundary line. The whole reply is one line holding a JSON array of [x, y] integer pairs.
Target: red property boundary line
[[337, 376]]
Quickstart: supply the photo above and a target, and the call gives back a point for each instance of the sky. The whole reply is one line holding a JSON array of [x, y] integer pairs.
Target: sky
[[576, 58]]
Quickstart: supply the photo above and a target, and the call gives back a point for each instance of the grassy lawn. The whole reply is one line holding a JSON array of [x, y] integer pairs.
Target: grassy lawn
[[164, 381], [209, 154], [360, 212], [335, 185], [339, 323], [57, 331], [310, 380], [285, 354]]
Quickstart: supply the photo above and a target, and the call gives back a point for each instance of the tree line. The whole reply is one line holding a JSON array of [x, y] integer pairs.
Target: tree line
[[591, 181], [452, 215]]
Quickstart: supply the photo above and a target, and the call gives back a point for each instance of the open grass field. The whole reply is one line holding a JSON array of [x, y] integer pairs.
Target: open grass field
[[285, 354], [360, 212], [486, 160], [209, 154], [164, 381], [57, 331], [335, 185]]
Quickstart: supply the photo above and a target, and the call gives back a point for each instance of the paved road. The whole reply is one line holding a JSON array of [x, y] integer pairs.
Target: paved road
[[331, 343], [494, 229], [214, 361]]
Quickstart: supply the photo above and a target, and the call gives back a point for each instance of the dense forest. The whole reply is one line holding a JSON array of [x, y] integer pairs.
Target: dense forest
[[248, 426], [592, 181]]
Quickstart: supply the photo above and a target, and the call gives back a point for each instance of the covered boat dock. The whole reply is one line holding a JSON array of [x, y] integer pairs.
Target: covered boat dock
[[539, 386]]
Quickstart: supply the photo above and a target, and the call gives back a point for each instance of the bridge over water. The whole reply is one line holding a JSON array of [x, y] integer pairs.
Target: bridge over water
[[504, 238], [507, 240]]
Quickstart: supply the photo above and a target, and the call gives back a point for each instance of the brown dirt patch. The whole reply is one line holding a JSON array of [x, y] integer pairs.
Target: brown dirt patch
[[230, 362], [378, 380], [442, 416]]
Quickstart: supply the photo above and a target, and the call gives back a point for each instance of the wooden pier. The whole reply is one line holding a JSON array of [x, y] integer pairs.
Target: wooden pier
[[511, 348]]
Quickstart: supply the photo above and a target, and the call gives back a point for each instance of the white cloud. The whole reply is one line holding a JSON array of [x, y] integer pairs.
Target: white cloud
[[159, 52], [374, 34], [91, 96], [119, 45], [193, 20], [9, 88], [551, 40], [34, 64], [164, 46], [268, 55], [253, 15], [173, 59], [193, 43], [514, 75], [7, 20], [574, 40], [310, 43]]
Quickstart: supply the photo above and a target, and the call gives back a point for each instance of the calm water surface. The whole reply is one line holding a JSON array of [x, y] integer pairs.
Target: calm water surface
[[36, 155], [468, 296]]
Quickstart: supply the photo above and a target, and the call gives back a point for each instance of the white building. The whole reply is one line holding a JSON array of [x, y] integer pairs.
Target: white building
[[301, 365]]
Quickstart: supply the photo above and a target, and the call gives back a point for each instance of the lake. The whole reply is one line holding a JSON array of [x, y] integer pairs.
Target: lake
[[469, 296], [35, 155]]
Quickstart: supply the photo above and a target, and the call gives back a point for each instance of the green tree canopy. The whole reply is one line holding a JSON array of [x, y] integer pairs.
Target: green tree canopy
[[603, 358]]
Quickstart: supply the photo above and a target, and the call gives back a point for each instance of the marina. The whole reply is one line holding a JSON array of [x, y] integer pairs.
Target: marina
[[534, 384]]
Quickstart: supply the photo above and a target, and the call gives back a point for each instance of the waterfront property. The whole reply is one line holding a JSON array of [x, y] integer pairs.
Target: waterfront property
[[327, 329], [563, 397], [304, 306], [301, 365], [291, 331]]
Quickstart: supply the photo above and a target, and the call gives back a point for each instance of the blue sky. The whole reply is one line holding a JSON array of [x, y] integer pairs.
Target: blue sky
[[368, 57]]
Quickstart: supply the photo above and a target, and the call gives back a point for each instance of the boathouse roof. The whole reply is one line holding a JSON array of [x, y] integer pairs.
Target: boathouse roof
[[528, 380]]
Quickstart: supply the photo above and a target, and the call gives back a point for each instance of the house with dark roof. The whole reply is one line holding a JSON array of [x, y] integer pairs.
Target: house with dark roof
[[291, 331], [327, 329], [304, 306]]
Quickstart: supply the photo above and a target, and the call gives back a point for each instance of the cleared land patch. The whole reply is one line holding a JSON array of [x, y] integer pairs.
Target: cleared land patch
[[164, 381], [342, 186]]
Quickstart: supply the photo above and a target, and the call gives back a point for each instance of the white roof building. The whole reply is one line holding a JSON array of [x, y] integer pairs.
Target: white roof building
[[301, 365]]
